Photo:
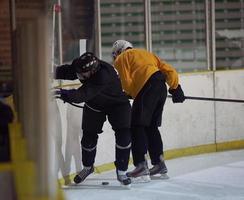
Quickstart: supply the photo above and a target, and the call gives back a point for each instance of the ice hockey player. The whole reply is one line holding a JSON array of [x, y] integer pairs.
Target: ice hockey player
[[103, 96], [143, 76]]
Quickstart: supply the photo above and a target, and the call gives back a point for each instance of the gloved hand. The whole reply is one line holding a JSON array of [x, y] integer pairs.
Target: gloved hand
[[61, 94], [177, 95]]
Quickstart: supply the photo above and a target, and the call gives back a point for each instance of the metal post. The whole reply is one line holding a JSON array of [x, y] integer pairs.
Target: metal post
[[148, 30], [53, 38], [213, 43], [60, 38], [213, 63], [207, 33], [98, 29]]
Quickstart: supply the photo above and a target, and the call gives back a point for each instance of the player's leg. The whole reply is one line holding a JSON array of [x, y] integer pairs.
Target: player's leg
[[143, 110], [92, 123], [138, 135], [119, 118], [139, 149], [155, 143]]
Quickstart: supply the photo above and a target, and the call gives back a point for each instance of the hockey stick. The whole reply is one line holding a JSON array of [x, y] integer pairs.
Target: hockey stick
[[73, 104], [212, 99]]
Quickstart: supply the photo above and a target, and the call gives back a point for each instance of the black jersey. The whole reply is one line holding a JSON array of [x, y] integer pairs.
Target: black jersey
[[101, 91]]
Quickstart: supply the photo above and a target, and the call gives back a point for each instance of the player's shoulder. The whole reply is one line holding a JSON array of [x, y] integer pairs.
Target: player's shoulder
[[137, 51], [106, 72]]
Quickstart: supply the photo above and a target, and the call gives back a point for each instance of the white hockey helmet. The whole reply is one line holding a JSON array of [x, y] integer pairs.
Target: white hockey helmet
[[119, 46]]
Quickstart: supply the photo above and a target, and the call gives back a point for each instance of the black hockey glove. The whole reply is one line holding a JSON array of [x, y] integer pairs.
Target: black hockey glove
[[177, 95], [61, 94]]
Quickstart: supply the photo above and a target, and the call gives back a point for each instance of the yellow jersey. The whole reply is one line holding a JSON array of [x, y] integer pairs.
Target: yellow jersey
[[136, 66]]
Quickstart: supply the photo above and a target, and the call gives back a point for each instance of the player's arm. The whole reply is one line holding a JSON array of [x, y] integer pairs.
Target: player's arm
[[83, 94], [172, 79], [124, 76]]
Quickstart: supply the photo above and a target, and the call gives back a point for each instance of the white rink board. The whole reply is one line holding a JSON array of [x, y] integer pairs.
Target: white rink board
[[190, 123], [230, 116]]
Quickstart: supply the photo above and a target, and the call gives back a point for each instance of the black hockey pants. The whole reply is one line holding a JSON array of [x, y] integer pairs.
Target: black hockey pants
[[147, 112], [119, 116]]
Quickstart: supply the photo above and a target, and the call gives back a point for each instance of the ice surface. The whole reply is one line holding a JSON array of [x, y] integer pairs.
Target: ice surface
[[215, 176]]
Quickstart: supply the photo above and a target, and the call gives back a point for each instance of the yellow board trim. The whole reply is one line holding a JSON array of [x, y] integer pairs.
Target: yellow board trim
[[171, 154], [6, 166], [196, 150], [232, 145]]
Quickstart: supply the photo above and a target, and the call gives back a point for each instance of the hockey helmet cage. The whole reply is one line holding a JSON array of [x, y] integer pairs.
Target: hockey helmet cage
[[86, 62], [119, 46]]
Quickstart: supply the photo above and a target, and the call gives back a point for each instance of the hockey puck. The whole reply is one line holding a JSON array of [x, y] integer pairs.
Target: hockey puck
[[105, 183]]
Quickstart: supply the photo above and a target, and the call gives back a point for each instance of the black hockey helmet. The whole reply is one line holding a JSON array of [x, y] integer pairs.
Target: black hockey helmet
[[87, 62]]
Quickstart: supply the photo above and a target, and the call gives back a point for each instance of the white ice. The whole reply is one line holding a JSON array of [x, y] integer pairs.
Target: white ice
[[214, 176]]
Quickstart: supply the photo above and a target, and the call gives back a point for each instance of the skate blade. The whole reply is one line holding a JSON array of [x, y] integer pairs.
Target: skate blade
[[128, 187], [160, 176], [141, 179], [164, 176]]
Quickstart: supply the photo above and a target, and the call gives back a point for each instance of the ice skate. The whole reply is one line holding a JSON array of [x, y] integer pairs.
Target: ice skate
[[140, 174], [123, 178], [159, 170], [81, 176]]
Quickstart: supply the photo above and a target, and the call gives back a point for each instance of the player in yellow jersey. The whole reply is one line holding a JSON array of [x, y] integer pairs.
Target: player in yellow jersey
[[144, 76]]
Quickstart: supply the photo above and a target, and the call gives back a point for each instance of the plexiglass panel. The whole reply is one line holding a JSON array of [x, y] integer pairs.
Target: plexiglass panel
[[229, 21], [178, 33], [121, 19]]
